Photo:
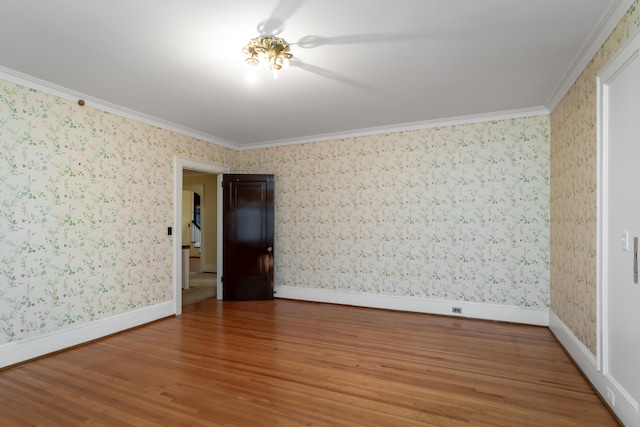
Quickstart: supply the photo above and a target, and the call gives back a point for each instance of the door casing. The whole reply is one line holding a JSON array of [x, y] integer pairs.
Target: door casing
[[608, 244], [179, 164]]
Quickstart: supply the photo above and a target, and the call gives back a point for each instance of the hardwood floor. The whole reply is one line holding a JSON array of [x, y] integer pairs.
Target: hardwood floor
[[296, 363]]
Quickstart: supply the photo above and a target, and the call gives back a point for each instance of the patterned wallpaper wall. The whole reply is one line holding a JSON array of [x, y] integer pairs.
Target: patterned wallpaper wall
[[456, 213], [87, 197], [573, 192]]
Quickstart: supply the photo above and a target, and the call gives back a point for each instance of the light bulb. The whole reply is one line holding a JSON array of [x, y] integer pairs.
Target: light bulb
[[252, 74]]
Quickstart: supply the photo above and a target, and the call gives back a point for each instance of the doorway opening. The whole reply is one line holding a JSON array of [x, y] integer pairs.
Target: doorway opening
[[198, 219], [199, 281], [183, 168]]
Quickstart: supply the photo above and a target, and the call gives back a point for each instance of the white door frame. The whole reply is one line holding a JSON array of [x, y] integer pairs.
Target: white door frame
[[625, 407], [179, 164]]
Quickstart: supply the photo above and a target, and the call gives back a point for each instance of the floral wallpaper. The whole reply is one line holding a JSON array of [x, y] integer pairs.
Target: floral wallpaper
[[87, 197], [573, 195], [457, 213]]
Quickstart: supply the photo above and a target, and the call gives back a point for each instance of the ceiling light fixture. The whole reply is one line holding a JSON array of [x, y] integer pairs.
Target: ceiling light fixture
[[269, 50]]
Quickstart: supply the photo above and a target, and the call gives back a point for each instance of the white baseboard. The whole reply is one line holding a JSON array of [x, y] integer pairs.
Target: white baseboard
[[625, 408], [421, 305], [210, 268], [23, 350]]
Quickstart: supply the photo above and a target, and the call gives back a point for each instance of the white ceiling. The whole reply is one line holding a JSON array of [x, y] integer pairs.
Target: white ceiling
[[359, 64]]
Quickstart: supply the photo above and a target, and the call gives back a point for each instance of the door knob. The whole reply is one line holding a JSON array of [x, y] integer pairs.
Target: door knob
[[269, 249]]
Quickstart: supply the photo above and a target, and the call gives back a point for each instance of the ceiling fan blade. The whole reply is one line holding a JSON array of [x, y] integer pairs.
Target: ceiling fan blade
[[274, 25], [311, 41]]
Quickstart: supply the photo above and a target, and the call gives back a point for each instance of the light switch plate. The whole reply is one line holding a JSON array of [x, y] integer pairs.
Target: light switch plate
[[624, 241]]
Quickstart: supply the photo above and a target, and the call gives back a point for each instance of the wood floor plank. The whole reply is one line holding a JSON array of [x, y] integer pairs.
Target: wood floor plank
[[281, 362]]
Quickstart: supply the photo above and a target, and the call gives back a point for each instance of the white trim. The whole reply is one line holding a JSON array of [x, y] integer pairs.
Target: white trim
[[179, 164], [65, 93], [23, 350], [599, 35], [625, 408], [403, 127], [177, 234], [502, 313], [578, 351], [601, 220], [220, 234]]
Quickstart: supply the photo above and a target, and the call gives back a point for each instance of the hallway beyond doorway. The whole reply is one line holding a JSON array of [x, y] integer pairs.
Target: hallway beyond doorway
[[201, 286]]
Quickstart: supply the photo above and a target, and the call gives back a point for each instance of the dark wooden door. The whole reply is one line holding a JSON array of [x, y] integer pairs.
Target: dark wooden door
[[247, 245]]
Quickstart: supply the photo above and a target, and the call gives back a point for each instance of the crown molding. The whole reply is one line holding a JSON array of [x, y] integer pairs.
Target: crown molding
[[65, 93], [609, 21], [595, 41], [426, 124]]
